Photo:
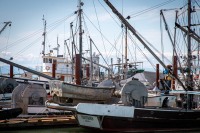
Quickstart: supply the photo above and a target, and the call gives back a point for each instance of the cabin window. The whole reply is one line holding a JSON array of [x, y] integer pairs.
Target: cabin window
[[50, 60], [45, 60], [47, 87]]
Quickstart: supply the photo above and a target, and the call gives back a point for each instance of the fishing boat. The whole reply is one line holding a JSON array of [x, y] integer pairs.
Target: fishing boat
[[85, 85], [64, 93], [133, 113]]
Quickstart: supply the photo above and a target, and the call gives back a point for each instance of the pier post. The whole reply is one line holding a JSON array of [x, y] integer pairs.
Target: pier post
[[54, 69], [78, 70], [11, 71]]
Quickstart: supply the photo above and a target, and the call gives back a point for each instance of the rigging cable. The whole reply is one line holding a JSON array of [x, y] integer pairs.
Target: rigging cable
[[34, 42], [122, 32], [31, 44], [162, 47], [99, 27], [34, 33], [27, 47], [100, 53], [197, 3], [198, 29], [130, 51], [109, 14], [114, 46], [150, 9], [151, 45], [77, 28], [134, 59], [99, 31], [141, 51]]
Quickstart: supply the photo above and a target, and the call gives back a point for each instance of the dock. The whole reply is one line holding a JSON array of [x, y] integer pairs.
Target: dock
[[39, 117], [38, 122]]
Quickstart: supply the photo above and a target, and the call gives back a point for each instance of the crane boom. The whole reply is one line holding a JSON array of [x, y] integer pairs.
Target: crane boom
[[6, 24]]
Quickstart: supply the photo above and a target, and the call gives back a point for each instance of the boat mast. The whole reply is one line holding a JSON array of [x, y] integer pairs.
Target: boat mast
[[189, 78], [44, 34], [91, 62], [122, 26], [126, 66], [79, 72], [71, 27], [198, 58], [80, 32], [175, 67]]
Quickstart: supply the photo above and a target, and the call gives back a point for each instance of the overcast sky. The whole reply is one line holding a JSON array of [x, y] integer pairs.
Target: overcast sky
[[23, 40]]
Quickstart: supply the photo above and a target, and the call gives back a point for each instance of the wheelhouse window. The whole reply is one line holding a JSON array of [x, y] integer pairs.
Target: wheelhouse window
[[47, 60], [50, 60]]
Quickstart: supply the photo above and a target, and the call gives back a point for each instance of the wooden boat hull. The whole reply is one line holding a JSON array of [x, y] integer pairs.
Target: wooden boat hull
[[10, 113], [62, 89]]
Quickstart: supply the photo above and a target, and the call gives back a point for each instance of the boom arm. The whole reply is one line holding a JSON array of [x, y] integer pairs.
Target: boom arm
[[6, 24]]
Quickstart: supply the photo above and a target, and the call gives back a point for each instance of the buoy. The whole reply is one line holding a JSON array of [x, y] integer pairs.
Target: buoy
[[47, 67]]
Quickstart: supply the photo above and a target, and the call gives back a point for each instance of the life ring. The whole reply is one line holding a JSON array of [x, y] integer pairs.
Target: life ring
[[47, 67]]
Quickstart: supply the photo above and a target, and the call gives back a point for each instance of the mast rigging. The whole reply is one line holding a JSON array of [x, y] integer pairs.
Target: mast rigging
[[140, 39]]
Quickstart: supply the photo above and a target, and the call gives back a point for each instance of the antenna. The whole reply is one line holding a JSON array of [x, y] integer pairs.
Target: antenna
[[44, 35]]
